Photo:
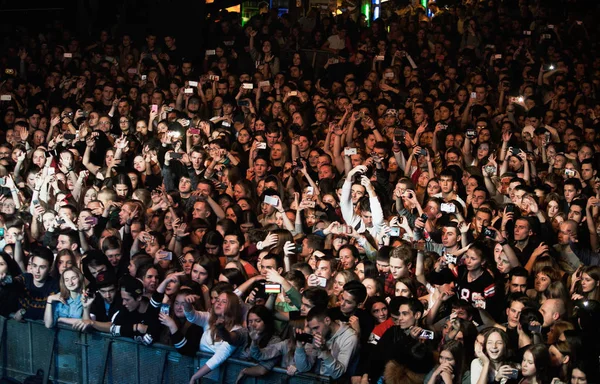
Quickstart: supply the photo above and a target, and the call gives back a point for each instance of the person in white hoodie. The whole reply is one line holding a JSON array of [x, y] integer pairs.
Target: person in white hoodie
[[334, 349], [362, 214]]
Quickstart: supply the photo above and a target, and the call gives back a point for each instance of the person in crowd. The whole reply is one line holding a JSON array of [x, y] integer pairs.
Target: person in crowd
[[427, 177]]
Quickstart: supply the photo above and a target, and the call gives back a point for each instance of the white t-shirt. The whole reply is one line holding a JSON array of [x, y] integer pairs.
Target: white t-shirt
[[335, 42]]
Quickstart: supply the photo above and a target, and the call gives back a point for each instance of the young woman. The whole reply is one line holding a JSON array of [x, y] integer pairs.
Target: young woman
[[149, 276], [451, 366], [492, 362], [543, 278], [365, 269], [534, 366], [9, 293], [64, 259], [589, 284], [68, 305], [473, 280], [261, 327], [378, 308], [180, 333], [221, 331]]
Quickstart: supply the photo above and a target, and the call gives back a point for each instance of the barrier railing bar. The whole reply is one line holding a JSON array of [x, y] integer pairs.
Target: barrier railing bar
[[107, 364], [107, 348], [31, 10]]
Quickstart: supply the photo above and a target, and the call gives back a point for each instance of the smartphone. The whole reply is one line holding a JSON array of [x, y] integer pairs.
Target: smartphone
[[271, 200], [194, 131], [569, 173], [490, 169], [322, 282], [310, 190], [487, 232], [213, 77], [210, 52], [424, 217], [69, 136], [67, 55], [395, 231], [9, 71], [309, 203], [166, 255], [473, 95], [188, 91], [379, 58], [248, 86], [5, 98], [304, 338], [448, 208], [293, 93], [265, 83], [52, 153], [91, 220], [422, 152], [388, 75], [272, 288], [498, 56], [144, 77], [350, 151], [527, 33], [426, 334], [154, 108], [450, 259], [535, 328], [471, 133], [176, 156], [192, 84], [132, 71], [164, 309], [226, 124], [515, 151], [514, 374], [510, 208], [2, 180], [261, 145], [243, 103]]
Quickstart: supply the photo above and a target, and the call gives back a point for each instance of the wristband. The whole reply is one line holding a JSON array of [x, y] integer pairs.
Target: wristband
[[503, 242]]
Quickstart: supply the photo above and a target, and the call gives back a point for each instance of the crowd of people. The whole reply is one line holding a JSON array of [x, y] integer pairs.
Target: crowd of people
[[423, 208]]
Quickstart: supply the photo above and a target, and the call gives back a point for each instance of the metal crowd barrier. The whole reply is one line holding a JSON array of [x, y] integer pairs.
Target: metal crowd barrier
[[98, 358]]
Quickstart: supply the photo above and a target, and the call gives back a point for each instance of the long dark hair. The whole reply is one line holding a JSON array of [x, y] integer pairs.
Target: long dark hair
[[13, 268], [541, 359], [457, 349], [267, 317]]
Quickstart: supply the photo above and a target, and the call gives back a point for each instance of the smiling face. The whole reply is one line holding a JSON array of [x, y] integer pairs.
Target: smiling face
[[494, 346], [71, 280]]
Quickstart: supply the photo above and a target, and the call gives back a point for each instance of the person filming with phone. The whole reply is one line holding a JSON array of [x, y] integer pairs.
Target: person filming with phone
[[332, 349]]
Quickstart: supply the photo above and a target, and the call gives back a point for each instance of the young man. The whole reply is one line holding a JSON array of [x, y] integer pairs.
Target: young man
[[361, 321], [401, 261], [334, 349], [233, 245], [106, 304], [36, 286], [398, 342]]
